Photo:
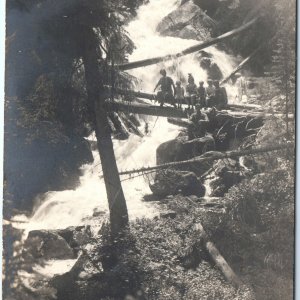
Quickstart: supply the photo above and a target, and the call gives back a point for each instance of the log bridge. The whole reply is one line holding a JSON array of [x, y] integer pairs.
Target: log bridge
[[145, 109], [166, 111]]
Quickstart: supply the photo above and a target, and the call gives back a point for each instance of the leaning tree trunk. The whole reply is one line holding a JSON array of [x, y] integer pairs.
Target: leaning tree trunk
[[96, 97]]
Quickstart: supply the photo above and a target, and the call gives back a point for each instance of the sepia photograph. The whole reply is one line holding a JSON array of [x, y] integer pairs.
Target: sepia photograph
[[149, 150]]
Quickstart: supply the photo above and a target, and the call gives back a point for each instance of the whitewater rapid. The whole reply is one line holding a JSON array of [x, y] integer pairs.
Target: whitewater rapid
[[87, 204]]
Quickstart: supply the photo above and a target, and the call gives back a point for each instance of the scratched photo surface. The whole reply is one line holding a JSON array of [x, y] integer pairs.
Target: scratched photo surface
[[149, 150]]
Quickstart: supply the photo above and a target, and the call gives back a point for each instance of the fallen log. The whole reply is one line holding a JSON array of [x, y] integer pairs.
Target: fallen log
[[241, 65], [152, 97], [131, 127], [218, 258], [211, 156], [119, 129], [178, 122], [195, 48], [144, 109]]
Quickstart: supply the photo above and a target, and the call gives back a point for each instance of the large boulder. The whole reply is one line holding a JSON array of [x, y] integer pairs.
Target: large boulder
[[187, 21], [209, 6], [228, 174], [213, 70], [181, 149], [172, 182], [76, 237], [47, 245]]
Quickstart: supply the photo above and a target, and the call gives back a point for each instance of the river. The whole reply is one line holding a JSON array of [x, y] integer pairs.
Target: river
[[87, 204]]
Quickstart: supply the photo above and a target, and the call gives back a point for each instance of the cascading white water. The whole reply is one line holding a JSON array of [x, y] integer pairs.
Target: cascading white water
[[74, 207]]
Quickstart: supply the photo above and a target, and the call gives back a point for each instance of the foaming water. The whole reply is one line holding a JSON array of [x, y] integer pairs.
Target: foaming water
[[75, 207], [149, 43]]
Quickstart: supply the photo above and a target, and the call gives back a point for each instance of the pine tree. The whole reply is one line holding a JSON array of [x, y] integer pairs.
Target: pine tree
[[50, 39], [283, 65]]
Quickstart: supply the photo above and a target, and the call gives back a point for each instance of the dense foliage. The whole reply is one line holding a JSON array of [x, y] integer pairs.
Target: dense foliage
[[46, 111], [276, 21]]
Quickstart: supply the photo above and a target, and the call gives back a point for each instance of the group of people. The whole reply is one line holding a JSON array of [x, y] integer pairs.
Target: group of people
[[211, 96]]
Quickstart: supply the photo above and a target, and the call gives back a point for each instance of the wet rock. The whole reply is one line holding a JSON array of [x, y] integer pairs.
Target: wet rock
[[187, 21], [218, 188], [171, 151], [203, 53], [168, 214], [208, 5], [189, 32], [97, 212], [47, 245], [213, 70], [172, 182], [223, 166], [228, 174], [181, 149], [76, 237]]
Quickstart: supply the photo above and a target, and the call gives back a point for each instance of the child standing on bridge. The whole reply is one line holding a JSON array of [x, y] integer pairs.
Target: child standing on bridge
[[179, 94], [210, 92], [191, 91], [201, 94]]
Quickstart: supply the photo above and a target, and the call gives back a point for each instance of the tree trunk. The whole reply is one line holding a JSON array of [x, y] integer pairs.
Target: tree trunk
[[198, 47], [212, 156], [96, 98], [241, 65], [218, 258]]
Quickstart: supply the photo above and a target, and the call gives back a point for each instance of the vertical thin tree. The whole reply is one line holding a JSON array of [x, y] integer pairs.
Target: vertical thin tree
[[96, 97]]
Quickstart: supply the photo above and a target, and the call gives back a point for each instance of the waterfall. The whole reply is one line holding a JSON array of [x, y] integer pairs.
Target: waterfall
[[59, 209]]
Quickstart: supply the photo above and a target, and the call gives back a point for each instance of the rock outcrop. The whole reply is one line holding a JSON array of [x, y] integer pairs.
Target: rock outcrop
[[47, 245], [213, 70], [228, 174], [172, 182], [181, 149], [187, 21], [76, 237]]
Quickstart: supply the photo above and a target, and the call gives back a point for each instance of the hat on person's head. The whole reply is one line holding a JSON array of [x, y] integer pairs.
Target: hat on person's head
[[201, 82], [163, 72], [178, 82], [209, 81]]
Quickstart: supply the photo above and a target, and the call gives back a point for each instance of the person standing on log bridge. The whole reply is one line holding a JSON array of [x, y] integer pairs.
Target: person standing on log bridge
[[221, 100], [166, 93], [242, 86], [198, 123], [191, 91], [201, 94], [210, 93], [179, 94]]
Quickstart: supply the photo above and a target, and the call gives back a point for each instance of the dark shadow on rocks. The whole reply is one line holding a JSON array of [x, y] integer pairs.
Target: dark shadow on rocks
[[111, 271]]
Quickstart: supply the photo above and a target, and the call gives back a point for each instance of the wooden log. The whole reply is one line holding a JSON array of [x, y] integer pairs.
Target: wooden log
[[145, 109], [218, 259], [211, 156], [130, 125], [152, 97], [198, 47], [178, 122], [241, 65]]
